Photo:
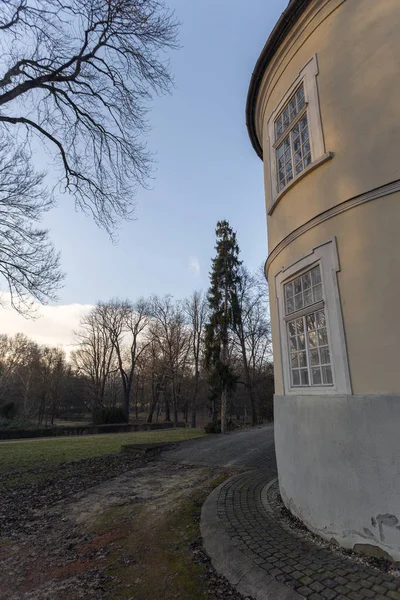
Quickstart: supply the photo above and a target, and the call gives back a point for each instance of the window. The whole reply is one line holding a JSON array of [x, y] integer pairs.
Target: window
[[296, 142], [310, 362], [293, 151], [313, 347]]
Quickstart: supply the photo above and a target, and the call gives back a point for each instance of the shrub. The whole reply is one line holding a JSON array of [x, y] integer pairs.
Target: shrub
[[109, 416], [8, 410], [215, 426]]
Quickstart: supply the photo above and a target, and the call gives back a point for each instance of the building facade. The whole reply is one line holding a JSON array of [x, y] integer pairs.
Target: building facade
[[323, 113]]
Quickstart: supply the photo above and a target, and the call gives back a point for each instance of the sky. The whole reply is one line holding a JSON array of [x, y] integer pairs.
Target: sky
[[206, 170]]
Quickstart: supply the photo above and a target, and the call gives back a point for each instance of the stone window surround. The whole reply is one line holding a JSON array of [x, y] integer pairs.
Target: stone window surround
[[308, 77], [326, 255]]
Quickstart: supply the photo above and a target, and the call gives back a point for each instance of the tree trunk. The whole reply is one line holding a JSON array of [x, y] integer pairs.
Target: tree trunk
[[153, 405], [194, 400], [249, 385], [175, 404], [223, 411], [167, 410]]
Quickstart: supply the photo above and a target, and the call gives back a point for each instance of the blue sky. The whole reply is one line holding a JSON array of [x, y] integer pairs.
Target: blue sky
[[206, 171], [206, 168]]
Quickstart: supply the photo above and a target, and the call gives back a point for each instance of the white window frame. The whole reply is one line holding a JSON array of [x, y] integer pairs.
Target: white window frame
[[307, 77], [325, 254]]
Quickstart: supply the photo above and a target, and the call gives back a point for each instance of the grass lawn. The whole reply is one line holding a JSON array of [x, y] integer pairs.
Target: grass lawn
[[22, 456]]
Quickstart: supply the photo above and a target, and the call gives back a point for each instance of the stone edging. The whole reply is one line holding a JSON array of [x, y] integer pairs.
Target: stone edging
[[227, 559]]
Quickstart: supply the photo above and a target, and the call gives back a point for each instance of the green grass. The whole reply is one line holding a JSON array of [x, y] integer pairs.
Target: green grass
[[21, 456]]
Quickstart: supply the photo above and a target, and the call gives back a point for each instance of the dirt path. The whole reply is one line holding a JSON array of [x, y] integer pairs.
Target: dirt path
[[134, 536]]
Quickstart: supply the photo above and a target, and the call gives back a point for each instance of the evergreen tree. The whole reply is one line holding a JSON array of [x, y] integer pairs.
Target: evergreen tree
[[224, 280]]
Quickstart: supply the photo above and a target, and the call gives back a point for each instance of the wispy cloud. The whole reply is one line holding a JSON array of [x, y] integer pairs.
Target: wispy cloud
[[53, 325], [194, 266]]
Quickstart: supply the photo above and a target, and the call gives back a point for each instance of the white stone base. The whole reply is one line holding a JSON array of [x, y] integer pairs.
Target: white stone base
[[339, 467]]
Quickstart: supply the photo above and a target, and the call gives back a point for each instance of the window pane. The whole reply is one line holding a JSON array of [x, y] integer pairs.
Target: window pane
[[327, 375], [300, 325], [301, 342], [317, 292], [289, 290], [293, 344], [304, 377], [286, 120], [296, 377], [294, 360], [303, 123], [325, 357], [320, 319], [300, 98], [292, 109], [290, 306], [292, 328], [303, 359], [311, 322], [315, 275], [306, 281], [312, 337], [297, 285], [314, 357], [298, 302], [308, 298], [322, 337], [316, 376]]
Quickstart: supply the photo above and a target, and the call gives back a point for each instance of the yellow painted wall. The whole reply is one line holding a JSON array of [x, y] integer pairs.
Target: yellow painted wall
[[368, 240], [358, 44]]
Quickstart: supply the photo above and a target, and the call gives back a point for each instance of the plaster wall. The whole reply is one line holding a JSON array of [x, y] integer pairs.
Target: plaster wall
[[339, 456], [339, 467], [367, 240], [358, 84]]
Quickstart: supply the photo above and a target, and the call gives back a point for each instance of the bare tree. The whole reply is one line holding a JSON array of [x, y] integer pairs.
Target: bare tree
[[125, 324], [169, 332], [29, 266], [196, 311], [94, 358], [252, 331], [78, 74]]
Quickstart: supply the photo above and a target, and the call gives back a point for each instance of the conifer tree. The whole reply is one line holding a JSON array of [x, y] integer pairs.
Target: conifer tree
[[224, 279]]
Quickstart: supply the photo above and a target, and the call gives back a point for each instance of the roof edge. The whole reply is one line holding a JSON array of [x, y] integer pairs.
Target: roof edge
[[287, 20]]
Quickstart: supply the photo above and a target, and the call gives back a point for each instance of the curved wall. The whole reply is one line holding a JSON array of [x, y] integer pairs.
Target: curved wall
[[338, 456], [339, 467], [358, 84]]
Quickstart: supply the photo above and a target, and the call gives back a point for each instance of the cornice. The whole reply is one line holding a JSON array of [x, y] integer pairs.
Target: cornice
[[385, 190], [286, 22]]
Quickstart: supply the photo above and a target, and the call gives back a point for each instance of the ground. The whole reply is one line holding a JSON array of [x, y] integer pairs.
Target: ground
[[114, 526]]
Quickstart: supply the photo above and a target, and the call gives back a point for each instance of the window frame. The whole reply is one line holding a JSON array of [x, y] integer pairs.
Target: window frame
[[325, 255], [302, 314], [308, 78]]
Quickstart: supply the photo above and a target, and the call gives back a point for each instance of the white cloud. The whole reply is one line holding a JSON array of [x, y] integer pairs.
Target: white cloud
[[53, 325], [194, 266]]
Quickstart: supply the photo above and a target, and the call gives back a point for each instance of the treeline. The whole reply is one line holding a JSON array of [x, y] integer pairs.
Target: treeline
[[156, 358], [146, 357]]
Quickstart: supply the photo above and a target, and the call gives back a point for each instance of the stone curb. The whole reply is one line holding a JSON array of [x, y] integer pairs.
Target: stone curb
[[230, 562]]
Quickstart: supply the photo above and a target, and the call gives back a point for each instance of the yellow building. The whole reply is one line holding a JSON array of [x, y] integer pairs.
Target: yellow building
[[323, 113]]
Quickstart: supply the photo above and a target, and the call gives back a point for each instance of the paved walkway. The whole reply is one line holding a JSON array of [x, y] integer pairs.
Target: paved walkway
[[247, 449], [251, 545]]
